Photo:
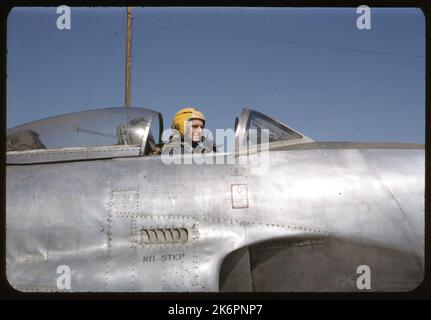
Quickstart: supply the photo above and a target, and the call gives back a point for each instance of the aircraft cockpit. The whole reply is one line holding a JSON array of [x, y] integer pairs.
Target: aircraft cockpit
[[109, 130]]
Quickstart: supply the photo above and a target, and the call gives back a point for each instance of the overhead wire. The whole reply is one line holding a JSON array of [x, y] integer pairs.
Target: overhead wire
[[302, 44], [105, 49]]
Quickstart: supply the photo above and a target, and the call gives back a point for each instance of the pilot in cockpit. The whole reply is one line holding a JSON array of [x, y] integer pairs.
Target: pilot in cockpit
[[187, 137]]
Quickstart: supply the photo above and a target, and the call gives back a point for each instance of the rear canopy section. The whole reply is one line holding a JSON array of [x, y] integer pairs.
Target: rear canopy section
[[93, 128]]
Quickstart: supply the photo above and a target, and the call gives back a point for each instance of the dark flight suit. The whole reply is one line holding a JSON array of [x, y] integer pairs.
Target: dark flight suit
[[177, 145]]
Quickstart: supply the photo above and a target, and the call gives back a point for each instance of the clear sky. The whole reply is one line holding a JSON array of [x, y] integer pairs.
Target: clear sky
[[310, 68]]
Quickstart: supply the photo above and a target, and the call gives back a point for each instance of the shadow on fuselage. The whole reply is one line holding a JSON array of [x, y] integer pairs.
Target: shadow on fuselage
[[317, 266]]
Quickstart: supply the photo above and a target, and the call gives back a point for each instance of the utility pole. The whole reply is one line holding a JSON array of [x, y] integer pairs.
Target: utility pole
[[128, 56]]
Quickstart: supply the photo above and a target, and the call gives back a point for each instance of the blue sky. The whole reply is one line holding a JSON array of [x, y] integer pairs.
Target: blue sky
[[308, 67]]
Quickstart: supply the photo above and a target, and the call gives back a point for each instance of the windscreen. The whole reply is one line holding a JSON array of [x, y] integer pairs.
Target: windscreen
[[277, 131]]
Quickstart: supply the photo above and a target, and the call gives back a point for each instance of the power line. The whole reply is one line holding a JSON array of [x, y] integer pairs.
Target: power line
[[96, 75], [302, 44], [333, 48]]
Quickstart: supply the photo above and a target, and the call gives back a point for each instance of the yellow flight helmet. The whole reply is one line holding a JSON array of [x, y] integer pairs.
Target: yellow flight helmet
[[184, 115]]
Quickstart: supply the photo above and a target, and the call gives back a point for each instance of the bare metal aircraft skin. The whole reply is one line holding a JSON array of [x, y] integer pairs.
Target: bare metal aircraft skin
[[82, 192]]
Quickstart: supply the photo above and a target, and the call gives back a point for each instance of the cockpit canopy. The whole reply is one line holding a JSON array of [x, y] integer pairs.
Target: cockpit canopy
[[94, 128], [139, 127], [251, 121]]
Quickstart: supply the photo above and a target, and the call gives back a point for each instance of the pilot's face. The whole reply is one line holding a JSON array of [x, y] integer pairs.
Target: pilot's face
[[196, 127]]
